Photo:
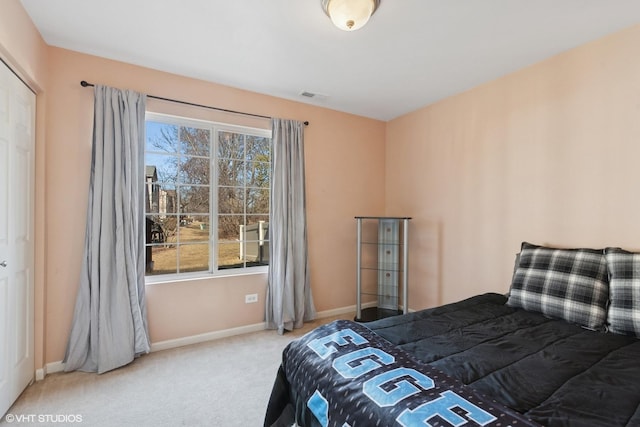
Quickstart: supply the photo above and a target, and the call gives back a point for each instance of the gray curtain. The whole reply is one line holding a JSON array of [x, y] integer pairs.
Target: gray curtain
[[289, 302], [109, 326]]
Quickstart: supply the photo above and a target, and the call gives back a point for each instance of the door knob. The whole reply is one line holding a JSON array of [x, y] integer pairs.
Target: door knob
[[3, 264]]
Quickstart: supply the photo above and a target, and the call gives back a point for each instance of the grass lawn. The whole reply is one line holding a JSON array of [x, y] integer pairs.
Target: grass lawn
[[193, 257]]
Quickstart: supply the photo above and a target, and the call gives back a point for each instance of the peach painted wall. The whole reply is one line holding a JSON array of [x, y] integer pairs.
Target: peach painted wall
[[344, 160], [21, 44], [22, 48], [548, 154]]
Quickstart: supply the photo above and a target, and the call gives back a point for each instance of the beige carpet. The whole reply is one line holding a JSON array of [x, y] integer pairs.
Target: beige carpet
[[226, 382]]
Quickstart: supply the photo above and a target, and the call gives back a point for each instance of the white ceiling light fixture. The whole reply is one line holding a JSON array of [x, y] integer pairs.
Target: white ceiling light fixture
[[350, 15]]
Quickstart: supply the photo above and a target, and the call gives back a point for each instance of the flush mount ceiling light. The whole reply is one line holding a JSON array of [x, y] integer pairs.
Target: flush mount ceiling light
[[349, 15]]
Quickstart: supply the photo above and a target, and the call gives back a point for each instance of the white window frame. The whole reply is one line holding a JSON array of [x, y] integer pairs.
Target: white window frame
[[214, 128]]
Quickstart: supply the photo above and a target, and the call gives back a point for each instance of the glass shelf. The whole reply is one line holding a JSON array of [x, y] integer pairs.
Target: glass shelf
[[377, 243], [382, 266]]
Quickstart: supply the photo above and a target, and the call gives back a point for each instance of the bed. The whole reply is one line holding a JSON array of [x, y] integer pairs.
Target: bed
[[560, 349]]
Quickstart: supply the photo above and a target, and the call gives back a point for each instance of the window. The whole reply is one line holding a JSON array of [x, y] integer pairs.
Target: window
[[206, 196]]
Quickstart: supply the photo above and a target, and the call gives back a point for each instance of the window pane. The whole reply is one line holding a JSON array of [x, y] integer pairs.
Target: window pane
[[194, 257], [229, 227], [152, 197], [161, 137], [254, 241], [229, 255], [154, 231], [163, 260], [161, 168], [257, 253], [231, 172], [230, 145], [167, 200], [150, 173], [194, 170], [160, 199], [256, 219], [258, 174], [258, 148], [257, 201], [230, 200], [169, 224], [195, 229], [194, 199], [194, 141]]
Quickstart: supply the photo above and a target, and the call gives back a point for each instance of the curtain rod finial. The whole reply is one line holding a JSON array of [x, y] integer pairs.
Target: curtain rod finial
[[84, 83]]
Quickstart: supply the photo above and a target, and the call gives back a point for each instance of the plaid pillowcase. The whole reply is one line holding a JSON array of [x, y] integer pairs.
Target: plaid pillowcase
[[569, 284], [624, 275]]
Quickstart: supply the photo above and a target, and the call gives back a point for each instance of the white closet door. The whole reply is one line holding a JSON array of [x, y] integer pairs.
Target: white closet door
[[17, 149]]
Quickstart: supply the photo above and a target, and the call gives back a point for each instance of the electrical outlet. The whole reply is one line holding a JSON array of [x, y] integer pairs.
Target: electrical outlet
[[250, 298]]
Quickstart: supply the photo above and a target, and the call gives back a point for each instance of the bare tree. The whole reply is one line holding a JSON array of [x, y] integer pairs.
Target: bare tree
[[243, 175]]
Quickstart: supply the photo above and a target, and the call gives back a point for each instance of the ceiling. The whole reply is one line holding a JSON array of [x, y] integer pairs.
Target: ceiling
[[411, 53]]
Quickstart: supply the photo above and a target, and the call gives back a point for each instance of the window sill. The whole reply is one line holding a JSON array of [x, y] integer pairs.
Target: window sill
[[189, 277]]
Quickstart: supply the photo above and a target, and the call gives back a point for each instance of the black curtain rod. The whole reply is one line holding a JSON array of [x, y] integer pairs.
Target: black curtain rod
[[84, 83]]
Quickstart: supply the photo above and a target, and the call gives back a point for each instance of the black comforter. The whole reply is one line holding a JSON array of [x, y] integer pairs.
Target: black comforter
[[553, 372], [550, 371]]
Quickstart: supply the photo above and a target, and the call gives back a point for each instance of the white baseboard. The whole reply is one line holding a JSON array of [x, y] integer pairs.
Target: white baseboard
[[53, 367], [40, 374], [335, 312], [49, 368], [344, 310], [225, 333], [209, 336]]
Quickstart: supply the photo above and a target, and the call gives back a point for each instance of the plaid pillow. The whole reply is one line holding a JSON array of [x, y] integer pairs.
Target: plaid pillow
[[624, 274], [569, 284]]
